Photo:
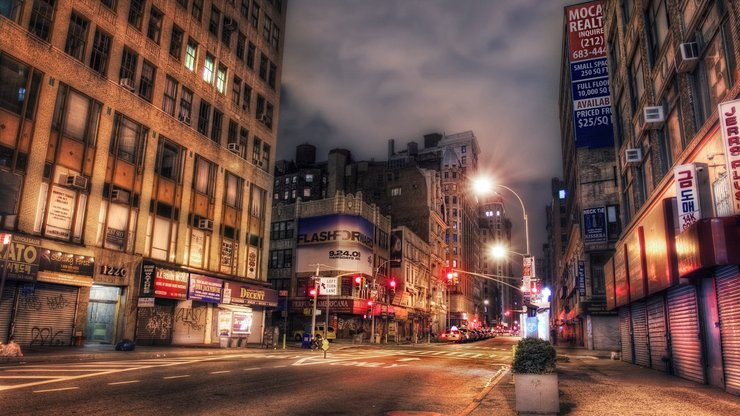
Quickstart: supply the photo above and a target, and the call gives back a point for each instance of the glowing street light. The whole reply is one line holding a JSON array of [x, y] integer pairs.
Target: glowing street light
[[483, 186]]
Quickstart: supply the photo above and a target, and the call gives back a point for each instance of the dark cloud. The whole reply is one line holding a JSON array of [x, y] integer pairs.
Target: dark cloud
[[357, 73]]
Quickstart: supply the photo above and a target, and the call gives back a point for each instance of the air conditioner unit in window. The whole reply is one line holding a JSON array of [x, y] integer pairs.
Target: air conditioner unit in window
[[264, 118], [632, 156], [205, 224], [687, 57], [77, 181], [260, 163], [233, 147], [653, 117], [230, 24], [128, 83], [185, 119], [120, 196]]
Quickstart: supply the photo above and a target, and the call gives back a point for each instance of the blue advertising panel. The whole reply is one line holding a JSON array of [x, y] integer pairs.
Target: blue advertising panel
[[205, 288], [594, 225], [589, 76]]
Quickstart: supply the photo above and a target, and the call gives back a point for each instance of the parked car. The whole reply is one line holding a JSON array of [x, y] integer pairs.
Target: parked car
[[452, 335], [331, 335]]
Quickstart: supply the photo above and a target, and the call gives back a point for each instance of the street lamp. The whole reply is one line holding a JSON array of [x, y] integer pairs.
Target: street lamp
[[482, 186]]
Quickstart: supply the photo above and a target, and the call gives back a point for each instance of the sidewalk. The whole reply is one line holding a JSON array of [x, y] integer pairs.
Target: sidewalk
[[592, 384]]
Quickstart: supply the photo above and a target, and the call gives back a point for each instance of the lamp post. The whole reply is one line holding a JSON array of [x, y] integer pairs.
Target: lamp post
[[372, 312], [483, 186]]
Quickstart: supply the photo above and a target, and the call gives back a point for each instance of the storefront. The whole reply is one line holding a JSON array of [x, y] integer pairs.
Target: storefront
[[19, 266], [242, 312], [160, 291], [348, 316]]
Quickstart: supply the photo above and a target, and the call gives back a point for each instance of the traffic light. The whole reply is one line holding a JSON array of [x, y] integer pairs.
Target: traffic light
[[358, 280], [311, 292], [369, 308], [392, 285], [452, 278]]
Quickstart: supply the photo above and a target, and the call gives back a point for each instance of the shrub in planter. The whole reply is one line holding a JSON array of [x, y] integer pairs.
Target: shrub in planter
[[535, 379], [534, 356]]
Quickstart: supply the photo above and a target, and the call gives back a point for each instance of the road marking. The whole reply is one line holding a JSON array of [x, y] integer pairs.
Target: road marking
[[220, 372], [251, 369], [171, 377], [409, 359], [123, 382], [14, 377], [279, 366], [52, 390]]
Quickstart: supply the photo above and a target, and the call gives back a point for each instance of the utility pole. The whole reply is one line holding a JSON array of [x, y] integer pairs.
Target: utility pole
[[315, 300]]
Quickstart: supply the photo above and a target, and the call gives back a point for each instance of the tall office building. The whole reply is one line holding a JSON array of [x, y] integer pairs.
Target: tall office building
[[137, 142]]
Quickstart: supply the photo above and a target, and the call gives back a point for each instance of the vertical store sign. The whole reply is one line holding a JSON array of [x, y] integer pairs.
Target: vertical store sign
[[582, 278], [687, 193], [729, 117], [589, 75]]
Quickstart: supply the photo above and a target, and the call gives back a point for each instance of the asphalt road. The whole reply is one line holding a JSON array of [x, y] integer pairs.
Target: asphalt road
[[361, 380]]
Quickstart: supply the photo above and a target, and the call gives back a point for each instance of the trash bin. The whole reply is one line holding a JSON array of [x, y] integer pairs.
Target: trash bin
[[223, 342], [306, 340], [377, 338]]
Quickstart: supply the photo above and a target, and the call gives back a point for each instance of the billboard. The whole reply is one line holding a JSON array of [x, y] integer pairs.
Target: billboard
[[589, 75], [594, 225], [337, 241]]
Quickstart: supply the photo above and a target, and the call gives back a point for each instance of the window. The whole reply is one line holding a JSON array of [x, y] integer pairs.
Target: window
[[129, 139], [306, 192], [636, 79], [11, 9], [100, 51], [256, 202], [231, 132], [227, 30], [264, 62], [221, 79], [146, 84], [218, 120], [281, 258], [396, 191], [169, 161], [656, 24], [236, 90], [183, 4], [717, 65], [241, 42], [272, 75], [186, 105], [111, 4], [265, 156], [256, 145], [281, 230], [251, 52], [41, 16], [244, 8], [254, 19], [309, 177], [267, 28], [176, 42], [197, 10], [170, 96], [204, 116], [76, 36], [204, 176], [215, 21], [208, 68], [135, 13], [260, 108], [463, 149], [234, 190], [154, 30], [275, 37], [191, 54], [247, 97], [128, 65]]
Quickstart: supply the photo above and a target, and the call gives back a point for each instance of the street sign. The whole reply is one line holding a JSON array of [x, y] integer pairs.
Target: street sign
[[328, 286]]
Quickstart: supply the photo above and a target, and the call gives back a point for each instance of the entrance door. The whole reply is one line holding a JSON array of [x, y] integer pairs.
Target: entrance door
[[102, 314]]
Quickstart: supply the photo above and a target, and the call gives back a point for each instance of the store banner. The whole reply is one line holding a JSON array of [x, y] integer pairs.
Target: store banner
[[246, 294], [687, 195], [729, 117], [170, 284], [205, 288], [20, 257], [589, 75], [594, 225], [582, 278], [57, 261]]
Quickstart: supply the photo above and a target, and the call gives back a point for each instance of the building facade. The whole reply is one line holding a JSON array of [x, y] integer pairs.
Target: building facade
[[137, 146]]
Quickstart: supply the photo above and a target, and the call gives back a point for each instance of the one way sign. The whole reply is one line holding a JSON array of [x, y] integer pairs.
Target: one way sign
[[328, 286]]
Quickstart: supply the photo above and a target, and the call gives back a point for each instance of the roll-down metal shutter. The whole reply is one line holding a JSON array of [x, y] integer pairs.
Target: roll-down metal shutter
[[728, 302], [46, 315], [6, 308], [685, 339], [640, 334], [625, 334], [657, 333], [189, 326], [154, 325]]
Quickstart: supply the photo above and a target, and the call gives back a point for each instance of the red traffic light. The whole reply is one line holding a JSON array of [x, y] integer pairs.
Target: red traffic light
[[392, 284], [369, 303], [312, 292], [358, 280]]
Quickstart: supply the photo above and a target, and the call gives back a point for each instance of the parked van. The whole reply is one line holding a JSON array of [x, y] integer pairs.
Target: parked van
[[331, 335]]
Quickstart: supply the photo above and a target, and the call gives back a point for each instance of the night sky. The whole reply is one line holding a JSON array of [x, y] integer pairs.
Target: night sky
[[357, 73]]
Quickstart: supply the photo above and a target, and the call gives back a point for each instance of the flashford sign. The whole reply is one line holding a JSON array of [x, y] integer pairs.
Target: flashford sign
[[340, 241]]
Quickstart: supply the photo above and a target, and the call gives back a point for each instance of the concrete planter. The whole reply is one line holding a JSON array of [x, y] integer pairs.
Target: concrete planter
[[537, 394]]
